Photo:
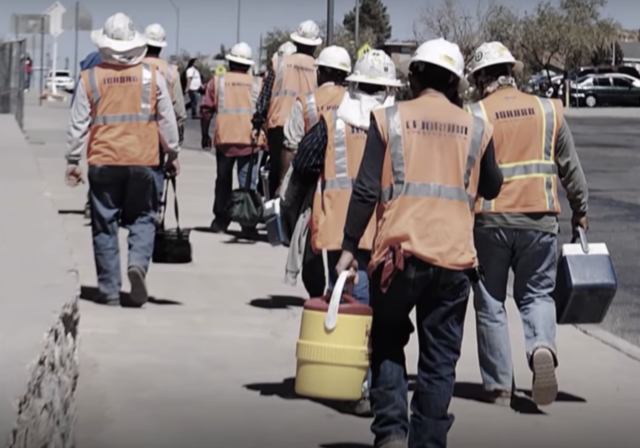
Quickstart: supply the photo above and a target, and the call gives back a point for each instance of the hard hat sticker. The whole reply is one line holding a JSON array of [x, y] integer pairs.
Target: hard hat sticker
[[364, 49], [478, 56]]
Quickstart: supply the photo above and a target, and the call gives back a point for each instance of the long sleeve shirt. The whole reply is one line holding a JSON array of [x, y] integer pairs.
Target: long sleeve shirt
[[264, 100], [367, 187], [573, 181], [80, 122]]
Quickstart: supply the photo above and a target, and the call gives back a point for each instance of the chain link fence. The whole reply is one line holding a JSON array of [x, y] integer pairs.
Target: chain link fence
[[12, 79]]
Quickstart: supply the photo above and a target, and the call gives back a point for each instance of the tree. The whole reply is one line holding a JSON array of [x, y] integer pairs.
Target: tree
[[272, 41], [373, 16], [543, 36], [221, 53], [342, 37], [457, 24]]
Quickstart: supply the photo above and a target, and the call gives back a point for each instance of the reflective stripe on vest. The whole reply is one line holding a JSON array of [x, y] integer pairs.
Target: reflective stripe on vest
[[342, 181], [255, 92], [312, 109], [143, 117], [402, 188], [544, 167], [280, 80]]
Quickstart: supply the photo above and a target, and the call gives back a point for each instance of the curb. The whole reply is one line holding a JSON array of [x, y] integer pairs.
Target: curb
[[618, 344]]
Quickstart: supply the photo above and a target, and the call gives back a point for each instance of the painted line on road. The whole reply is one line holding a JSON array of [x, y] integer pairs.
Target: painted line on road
[[619, 344]]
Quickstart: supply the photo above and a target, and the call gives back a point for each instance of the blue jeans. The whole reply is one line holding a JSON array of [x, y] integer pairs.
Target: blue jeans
[[194, 99], [533, 257], [224, 181], [440, 297], [128, 195], [360, 290]]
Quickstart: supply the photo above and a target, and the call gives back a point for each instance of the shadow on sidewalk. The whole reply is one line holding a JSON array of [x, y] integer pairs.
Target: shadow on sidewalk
[[521, 402], [286, 391], [278, 302], [71, 212], [345, 445], [90, 293], [237, 236]]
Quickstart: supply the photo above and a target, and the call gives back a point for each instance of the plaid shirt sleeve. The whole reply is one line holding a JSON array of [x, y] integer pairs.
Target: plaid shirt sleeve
[[309, 157], [262, 105]]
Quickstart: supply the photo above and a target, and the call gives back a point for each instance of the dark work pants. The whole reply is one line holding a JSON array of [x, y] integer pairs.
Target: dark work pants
[[313, 270], [440, 297], [224, 181], [275, 140], [126, 195]]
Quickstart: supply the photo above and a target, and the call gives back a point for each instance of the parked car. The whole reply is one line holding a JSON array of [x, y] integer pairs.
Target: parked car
[[62, 80], [605, 90], [622, 69]]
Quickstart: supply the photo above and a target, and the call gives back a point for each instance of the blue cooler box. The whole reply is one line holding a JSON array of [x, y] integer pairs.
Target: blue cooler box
[[586, 283], [274, 223]]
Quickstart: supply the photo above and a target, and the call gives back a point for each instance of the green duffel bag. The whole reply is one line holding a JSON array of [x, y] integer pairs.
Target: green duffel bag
[[245, 205]]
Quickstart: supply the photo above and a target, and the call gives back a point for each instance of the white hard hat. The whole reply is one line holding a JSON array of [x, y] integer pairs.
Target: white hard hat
[[156, 36], [334, 57], [375, 67], [287, 48], [307, 33], [240, 53], [118, 34], [444, 54], [493, 53]]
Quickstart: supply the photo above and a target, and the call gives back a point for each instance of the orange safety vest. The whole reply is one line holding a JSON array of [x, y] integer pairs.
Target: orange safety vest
[[295, 75], [430, 180], [124, 126], [235, 102], [323, 99], [526, 130], [342, 160], [169, 71]]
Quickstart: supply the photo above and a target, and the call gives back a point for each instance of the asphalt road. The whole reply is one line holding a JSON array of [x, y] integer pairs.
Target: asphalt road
[[609, 149]]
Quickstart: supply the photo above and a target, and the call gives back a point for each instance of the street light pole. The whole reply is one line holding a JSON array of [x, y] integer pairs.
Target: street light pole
[[238, 24], [330, 4], [357, 27], [177, 9]]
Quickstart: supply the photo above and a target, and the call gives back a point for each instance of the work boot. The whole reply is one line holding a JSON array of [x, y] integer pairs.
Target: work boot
[[499, 397], [139, 294], [545, 385], [218, 227], [249, 233]]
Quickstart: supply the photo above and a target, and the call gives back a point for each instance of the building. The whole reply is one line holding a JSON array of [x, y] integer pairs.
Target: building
[[630, 53], [628, 35]]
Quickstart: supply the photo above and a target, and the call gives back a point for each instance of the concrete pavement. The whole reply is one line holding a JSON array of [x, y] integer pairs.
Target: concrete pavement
[[210, 361]]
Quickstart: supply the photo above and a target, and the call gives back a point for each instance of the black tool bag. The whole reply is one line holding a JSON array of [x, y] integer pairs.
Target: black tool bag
[[171, 245], [245, 205]]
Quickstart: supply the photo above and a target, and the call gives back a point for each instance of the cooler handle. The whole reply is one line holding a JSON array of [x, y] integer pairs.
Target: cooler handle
[[582, 235], [331, 320]]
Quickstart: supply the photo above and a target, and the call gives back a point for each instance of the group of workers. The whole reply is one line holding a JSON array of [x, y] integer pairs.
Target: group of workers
[[419, 200]]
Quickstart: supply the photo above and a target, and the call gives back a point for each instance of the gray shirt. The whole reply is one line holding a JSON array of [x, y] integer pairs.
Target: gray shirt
[[80, 122], [573, 181]]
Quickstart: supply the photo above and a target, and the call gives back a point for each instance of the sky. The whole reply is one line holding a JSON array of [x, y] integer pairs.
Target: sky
[[205, 25]]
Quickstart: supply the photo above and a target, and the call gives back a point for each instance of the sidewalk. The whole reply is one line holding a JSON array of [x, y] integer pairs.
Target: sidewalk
[[210, 362]]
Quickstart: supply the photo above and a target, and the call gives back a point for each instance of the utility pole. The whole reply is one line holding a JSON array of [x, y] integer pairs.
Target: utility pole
[[238, 24], [42, 73], [357, 27], [177, 9], [330, 4]]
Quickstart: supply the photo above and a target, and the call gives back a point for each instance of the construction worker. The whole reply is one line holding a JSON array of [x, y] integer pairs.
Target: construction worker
[[232, 98], [287, 78], [424, 162], [122, 111], [518, 230], [334, 148], [156, 41], [334, 65]]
